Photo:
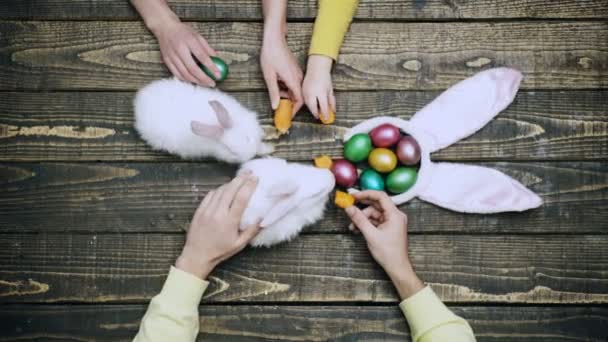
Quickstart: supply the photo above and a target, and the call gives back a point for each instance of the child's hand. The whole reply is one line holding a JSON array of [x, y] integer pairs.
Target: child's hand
[[317, 88], [178, 43], [279, 65], [214, 234]]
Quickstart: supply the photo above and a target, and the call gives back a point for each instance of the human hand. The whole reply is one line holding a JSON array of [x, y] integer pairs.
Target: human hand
[[384, 227], [179, 45], [317, 88], [214, 234], [282, 73]]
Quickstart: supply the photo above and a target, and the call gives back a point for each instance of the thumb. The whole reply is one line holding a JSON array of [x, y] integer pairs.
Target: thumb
[[360, 220], [248, 234]]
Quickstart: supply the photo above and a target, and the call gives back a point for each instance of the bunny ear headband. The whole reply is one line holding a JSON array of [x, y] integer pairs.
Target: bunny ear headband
[[455, 114]]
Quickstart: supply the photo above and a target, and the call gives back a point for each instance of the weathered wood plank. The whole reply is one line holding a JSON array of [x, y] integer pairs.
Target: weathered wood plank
[[545, 125], [162, 198], [301, 323], [306, 9], [123, 55], [321, 268]]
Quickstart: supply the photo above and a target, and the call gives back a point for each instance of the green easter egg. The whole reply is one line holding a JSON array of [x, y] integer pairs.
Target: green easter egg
[[401, 179], [357, 148], [371, 180], [221, 66]]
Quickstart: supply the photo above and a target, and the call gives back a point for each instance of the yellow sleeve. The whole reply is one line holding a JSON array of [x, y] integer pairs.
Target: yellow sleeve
[[331, 25], [431, 321], [173, 314]]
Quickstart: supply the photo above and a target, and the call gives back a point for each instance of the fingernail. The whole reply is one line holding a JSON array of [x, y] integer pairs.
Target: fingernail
[[350, 210], [246, 172]]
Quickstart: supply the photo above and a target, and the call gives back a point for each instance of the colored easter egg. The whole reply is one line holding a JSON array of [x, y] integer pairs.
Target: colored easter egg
[[408, 151], [371, 180], [385, 135], [357, 148], [344, 172], [382, 160], [221, 66], [401, 179]]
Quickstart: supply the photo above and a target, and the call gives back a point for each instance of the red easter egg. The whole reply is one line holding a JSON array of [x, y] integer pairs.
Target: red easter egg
[[408, 150], [385, 135], [345, 173]]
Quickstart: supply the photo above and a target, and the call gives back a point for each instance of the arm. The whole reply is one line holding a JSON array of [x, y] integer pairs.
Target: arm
[[212, 238], [384, 227], [331, 25], [282, 73], [178, 42]]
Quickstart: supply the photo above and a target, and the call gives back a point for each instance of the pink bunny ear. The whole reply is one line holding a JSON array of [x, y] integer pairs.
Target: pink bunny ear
[[223, 117], [466, 107], [476, 189], [205, 130], [284, 198]]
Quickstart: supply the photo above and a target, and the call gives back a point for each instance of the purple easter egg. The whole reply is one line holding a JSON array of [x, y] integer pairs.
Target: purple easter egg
[[385, 135], [408, 151]]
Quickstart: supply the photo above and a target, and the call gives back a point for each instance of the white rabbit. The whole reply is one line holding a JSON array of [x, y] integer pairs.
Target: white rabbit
[[288, 197], [193, 121]]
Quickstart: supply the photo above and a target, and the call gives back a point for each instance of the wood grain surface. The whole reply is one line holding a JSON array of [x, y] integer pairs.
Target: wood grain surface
[[402, 56], [306, 9], [303, 323], [145, 197], [91, 126], [130, 268]]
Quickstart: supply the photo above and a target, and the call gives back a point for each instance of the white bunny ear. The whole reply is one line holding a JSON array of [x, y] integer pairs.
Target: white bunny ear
[[284, 200], [223, 117], [205, 130], [466, 107], [476, 189]]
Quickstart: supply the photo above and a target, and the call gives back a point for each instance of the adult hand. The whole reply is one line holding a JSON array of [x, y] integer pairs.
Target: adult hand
[[282, 73], [384, 227], [214, 234], [317, 87], [179, 45]]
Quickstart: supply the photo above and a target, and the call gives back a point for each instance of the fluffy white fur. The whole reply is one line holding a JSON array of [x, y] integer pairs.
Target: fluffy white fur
[[193, 122], [288, 197]]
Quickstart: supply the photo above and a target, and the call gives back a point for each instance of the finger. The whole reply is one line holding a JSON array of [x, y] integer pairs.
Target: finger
[[295, 88], [360, 221], [206, 46], [372, 213], [242, 197], [183, 70], [214, 205], [380, 197], [311, 103], [229, 193], [207, 202], [324, 107], [198, 50], [332, 101], [195, 70], [273, 89], [248, 234], [174, 69]]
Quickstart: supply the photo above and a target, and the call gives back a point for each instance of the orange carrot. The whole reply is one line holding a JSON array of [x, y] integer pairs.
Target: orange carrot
[[282, 116], [323, 162], [344, 199]]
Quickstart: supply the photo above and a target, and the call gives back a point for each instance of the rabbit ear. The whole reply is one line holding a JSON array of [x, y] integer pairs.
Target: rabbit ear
[[466, 107], [476, 189], [222, 114], [205, 130], [284, 199]]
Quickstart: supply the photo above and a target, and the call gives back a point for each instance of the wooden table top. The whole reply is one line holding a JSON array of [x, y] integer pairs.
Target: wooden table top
[[91, 218]]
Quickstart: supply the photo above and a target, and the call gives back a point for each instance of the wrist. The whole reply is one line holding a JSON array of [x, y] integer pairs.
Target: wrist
[[405, 280], [160, 21], [198, 267], [320, 63]]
